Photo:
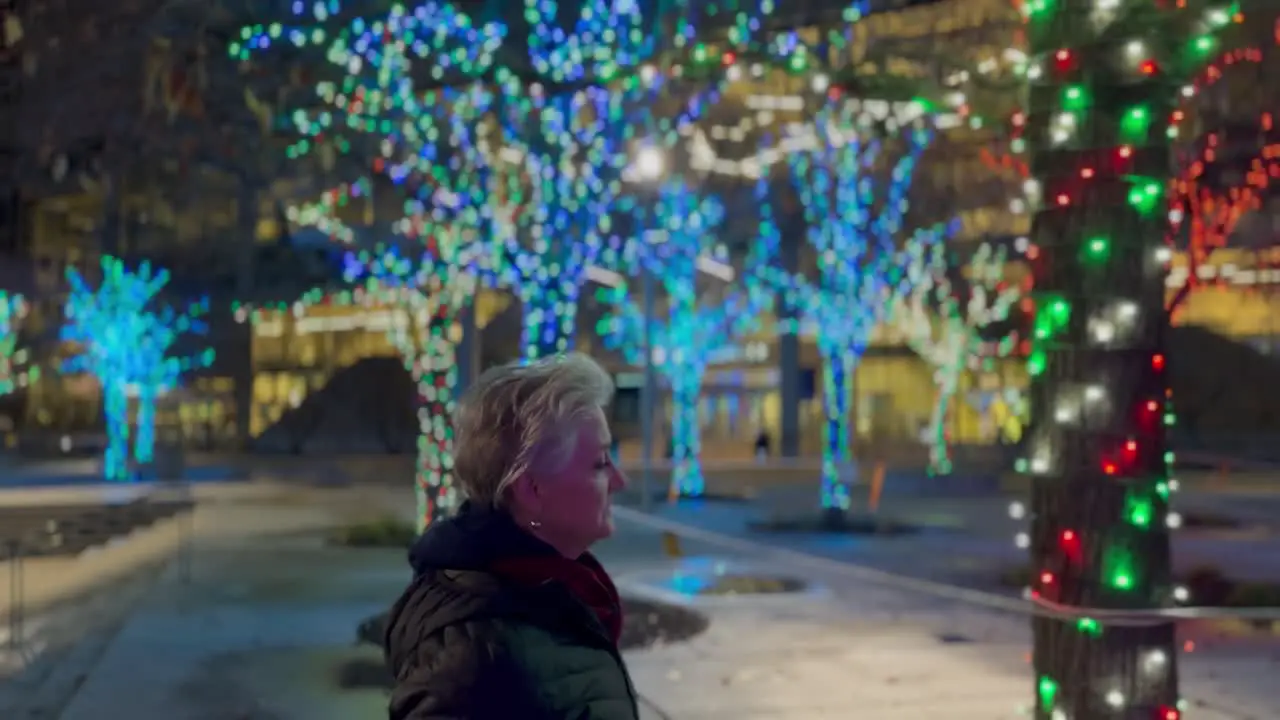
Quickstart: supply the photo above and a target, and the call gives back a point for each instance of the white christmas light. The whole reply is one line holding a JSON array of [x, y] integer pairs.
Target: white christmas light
[[1173, 520], [1040, 463], [1103, 331], [1154, 662], [1022, 540], [1181, 594], [1115, 699], [1017, 510], [1067, 411], [1094, 393]]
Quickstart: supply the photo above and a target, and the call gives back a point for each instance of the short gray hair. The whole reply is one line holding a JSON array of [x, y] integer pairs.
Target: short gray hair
[[515, 414]]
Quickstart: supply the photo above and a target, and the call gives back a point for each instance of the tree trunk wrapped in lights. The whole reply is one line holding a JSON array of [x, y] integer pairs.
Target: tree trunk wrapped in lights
[[947, 318], [431, 303], [1104, 80]]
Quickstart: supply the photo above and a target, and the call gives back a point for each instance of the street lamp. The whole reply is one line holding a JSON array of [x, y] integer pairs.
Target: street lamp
[[650, 163]]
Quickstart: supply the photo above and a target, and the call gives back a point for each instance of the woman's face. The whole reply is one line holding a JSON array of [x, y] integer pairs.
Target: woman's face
[[575, 511]]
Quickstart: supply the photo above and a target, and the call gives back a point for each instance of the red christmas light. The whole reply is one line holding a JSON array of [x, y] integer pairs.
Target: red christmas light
[[1063, 60], [1069, 542]]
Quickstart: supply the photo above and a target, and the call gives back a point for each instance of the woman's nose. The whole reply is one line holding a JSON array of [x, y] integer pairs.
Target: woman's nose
[[617, 480]]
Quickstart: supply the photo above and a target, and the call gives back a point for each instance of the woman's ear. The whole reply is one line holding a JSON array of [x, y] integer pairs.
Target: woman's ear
[[526, 494]]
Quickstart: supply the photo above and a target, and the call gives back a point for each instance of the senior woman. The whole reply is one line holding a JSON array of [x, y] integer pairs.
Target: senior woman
[[509, 617]]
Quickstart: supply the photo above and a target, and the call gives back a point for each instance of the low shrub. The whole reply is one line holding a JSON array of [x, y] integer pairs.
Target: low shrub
[[387, 532]]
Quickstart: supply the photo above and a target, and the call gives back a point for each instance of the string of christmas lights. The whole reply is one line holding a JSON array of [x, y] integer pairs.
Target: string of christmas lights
[[124, 341], [946, 320], [681, 234]]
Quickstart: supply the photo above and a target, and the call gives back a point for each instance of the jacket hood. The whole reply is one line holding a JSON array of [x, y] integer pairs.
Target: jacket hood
[[473, 539]]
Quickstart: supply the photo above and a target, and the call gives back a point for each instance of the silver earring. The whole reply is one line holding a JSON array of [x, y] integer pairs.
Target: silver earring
[[535, 524]]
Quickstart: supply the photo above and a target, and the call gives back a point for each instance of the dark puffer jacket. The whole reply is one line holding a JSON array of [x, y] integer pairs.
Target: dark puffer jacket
[[466, 644]]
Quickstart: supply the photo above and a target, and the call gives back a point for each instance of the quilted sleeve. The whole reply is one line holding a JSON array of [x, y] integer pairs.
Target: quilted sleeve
[[463, 673]]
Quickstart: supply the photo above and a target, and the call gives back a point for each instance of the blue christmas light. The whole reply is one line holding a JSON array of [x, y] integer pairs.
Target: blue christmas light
[[125, 344]]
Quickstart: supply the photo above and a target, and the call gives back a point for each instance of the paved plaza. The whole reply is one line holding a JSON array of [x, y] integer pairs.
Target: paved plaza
[[258, 623]]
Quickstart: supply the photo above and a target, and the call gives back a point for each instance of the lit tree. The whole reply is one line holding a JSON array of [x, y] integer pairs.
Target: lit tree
[[1099, 127], [415, 140], [947, 317], [678, 244], [1208, 214], [14, 373], [124, 342], [856, 237], [552, 125]]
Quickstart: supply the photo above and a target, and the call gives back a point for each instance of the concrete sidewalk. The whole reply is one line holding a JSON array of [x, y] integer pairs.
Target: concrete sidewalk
[[859, 619]]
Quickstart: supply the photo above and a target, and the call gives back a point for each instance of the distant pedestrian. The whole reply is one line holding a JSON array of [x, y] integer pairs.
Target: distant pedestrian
[[509, 617], [763, 446]]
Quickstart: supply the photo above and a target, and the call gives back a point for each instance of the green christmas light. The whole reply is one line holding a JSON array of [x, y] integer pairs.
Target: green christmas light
[[1097, 250]]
